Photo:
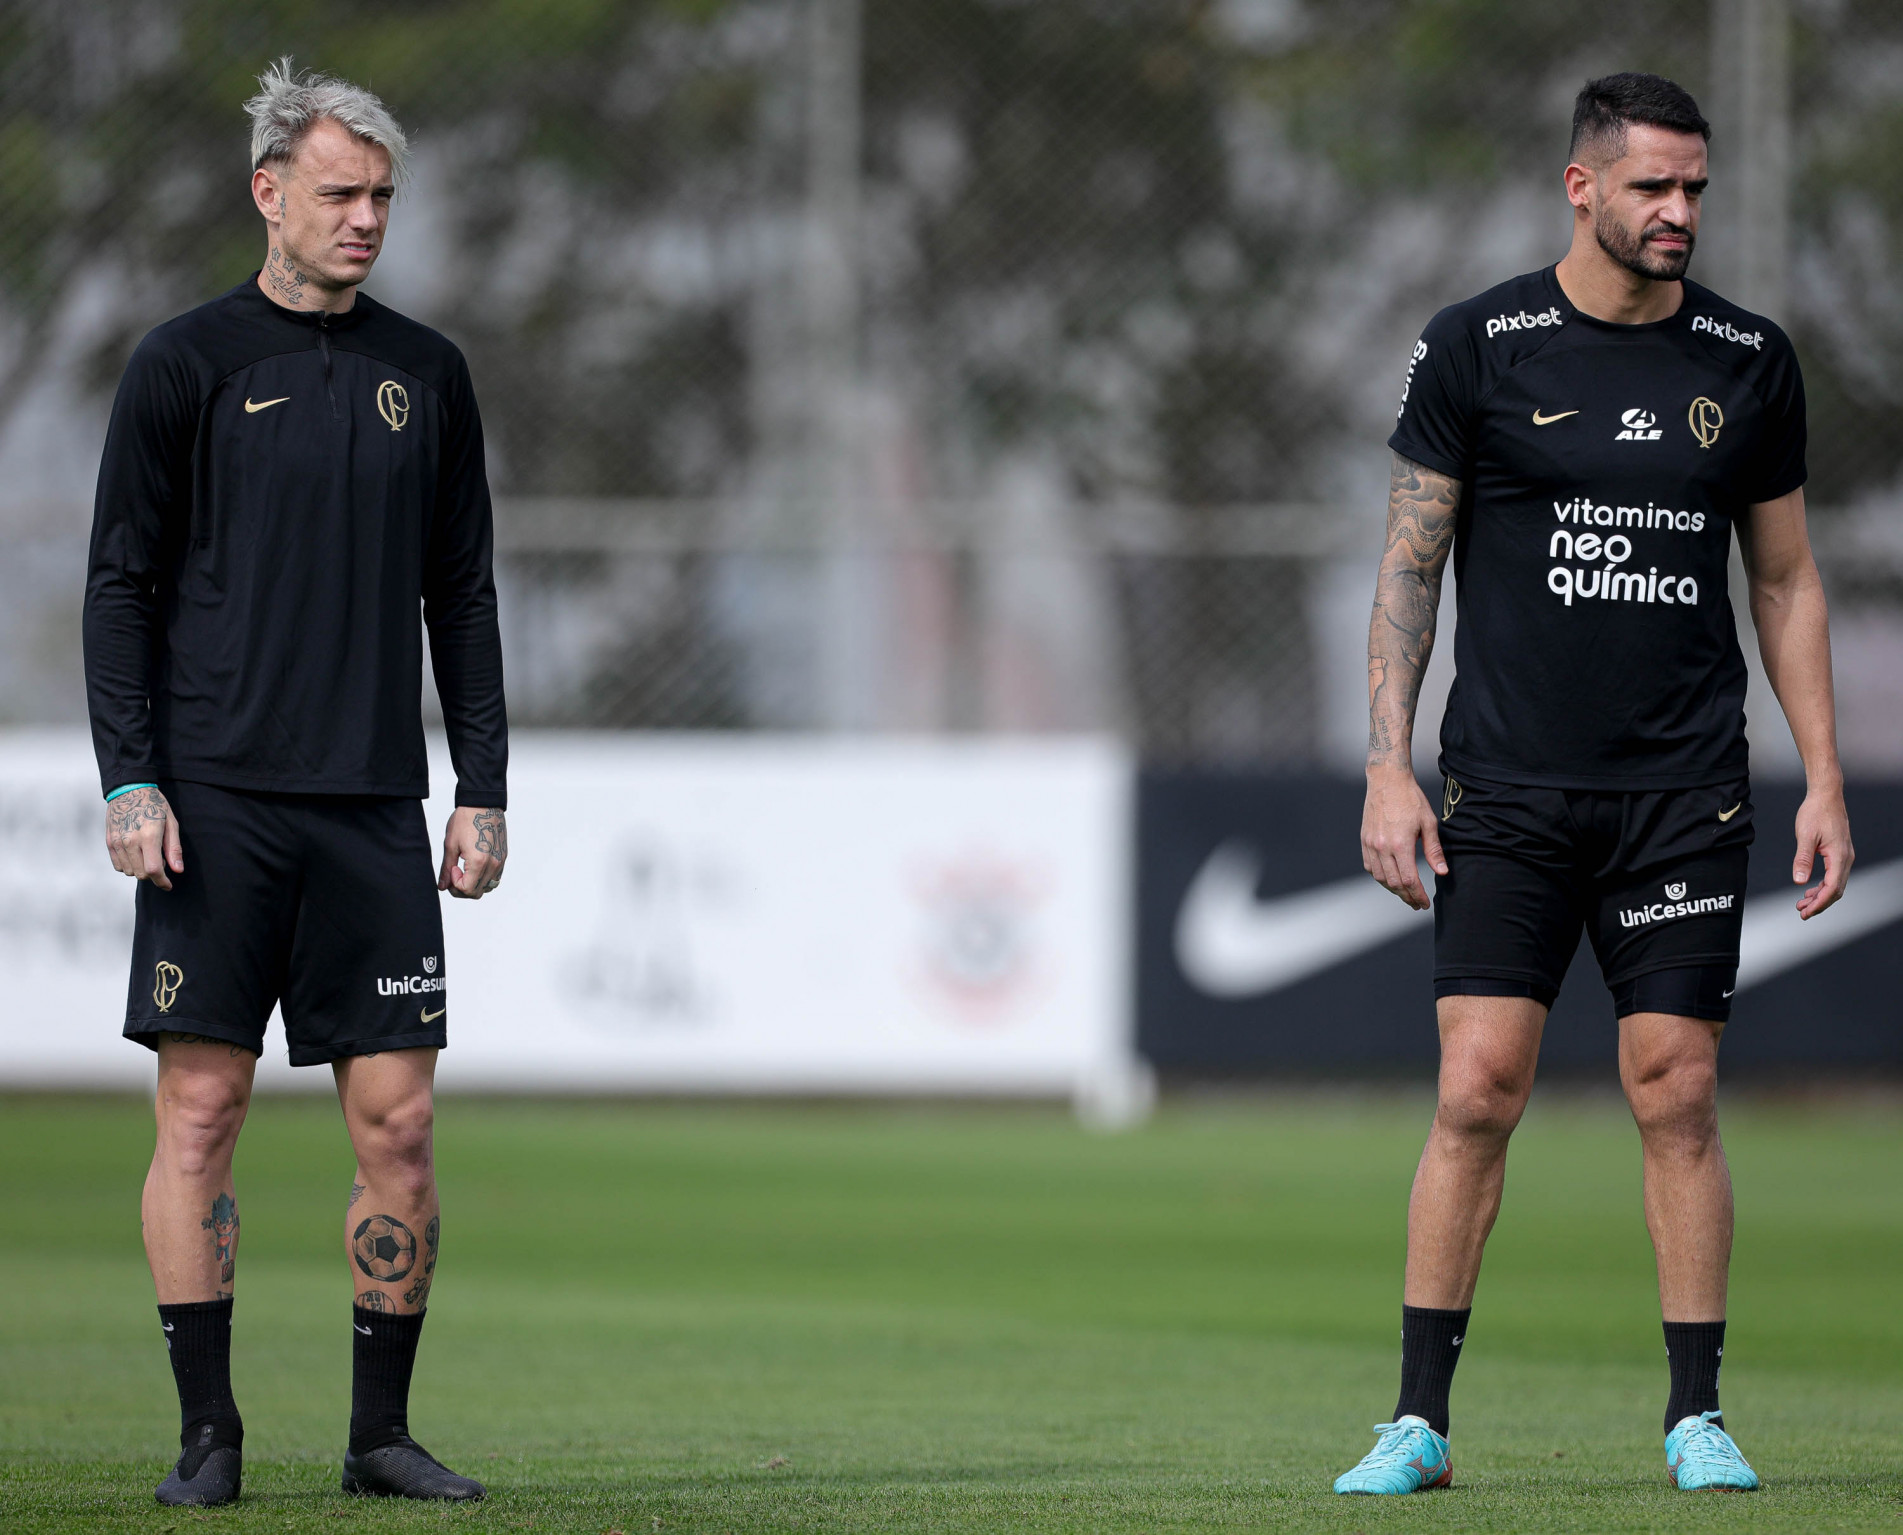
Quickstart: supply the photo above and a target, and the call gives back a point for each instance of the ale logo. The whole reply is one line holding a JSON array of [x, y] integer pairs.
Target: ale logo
[[1675, 891], [1640, 426], [166, 980], [393, 403]]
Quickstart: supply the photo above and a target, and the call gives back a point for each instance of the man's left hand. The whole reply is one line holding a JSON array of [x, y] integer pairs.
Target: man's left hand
[[475, 847], [1823, 831]]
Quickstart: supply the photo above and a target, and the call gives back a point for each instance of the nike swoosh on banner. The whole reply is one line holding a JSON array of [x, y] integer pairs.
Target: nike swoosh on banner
[[1776, 939], [1231, 944]]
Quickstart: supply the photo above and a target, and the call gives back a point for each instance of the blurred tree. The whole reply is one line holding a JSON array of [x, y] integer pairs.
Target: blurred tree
[[1170, 247]]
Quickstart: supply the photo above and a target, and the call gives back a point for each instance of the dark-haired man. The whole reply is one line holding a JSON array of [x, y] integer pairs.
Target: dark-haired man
[[293, 475], [1585, 440]]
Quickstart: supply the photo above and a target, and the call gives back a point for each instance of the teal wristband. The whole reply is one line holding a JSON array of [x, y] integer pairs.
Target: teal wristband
[[127, 788]]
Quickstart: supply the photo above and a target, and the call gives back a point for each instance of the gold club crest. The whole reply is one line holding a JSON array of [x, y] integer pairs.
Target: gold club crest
[[1705, 418], [166, 980], [393, 403]]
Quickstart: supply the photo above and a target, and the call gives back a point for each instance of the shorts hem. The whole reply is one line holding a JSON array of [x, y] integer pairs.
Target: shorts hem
[[1490, 973], [1675, 962], [1702, 1014], [1472, 983], [146, 1031], [326, 1054]]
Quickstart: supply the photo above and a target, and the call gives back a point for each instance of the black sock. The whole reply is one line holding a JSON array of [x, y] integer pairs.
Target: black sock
[[382, 1359], [198, 1337], [1430, 1348], [1695, 1350]]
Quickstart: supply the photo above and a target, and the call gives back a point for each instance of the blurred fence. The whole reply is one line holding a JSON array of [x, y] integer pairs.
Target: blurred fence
[[943, 365]]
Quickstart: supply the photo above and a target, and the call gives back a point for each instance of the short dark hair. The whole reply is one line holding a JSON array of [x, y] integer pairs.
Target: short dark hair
[[1610, 105]]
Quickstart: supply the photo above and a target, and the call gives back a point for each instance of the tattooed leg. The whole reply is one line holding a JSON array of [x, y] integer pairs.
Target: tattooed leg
[[189, 1211], [392, 1228]]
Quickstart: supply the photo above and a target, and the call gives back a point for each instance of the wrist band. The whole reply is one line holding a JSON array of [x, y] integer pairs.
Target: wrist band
[[127, 788]]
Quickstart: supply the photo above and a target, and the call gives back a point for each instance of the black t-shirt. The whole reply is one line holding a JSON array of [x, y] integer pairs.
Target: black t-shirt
[[1601, 468], [282, 497]]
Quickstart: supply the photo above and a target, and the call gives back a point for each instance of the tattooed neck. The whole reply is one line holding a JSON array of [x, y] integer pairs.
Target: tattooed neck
[[286, 282]]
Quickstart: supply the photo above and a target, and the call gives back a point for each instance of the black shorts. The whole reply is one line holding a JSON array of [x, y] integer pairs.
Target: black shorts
[[325, 903], [1655, 878]]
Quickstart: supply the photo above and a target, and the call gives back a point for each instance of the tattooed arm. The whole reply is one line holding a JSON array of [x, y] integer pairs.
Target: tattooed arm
[[1421, 509], [142, 837], [475, 847]]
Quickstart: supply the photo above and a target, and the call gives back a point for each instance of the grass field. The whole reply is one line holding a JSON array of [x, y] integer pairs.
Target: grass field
[[716, 1318]]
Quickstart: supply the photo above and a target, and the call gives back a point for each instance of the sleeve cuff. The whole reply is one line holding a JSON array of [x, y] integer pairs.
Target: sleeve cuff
[[481, 799], [1427, 458]]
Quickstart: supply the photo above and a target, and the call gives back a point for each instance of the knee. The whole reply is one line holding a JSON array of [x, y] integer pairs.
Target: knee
[[1481, 1104], [1674, 1099], [396, 1141], [199, 1118]]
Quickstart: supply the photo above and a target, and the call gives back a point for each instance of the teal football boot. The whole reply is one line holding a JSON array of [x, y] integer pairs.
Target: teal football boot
[[1408, 1457], [1700, 1457]]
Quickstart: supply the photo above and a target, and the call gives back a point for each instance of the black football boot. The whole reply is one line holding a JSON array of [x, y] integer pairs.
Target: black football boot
[[404, 1469], [209, 1471]]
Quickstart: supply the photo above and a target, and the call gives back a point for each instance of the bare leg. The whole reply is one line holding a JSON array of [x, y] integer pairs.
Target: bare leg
[[391, 1230], [392, 1235], [1489, 1050], [189, 1212], [1669, 1067]]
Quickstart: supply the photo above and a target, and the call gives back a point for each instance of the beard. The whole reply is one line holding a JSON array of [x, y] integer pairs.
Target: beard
[[1632, 253]]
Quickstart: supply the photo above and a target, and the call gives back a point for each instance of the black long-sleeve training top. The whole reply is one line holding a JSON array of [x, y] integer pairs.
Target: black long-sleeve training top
[[278, 493]]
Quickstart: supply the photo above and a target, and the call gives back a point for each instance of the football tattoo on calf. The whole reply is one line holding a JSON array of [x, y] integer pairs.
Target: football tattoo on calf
[[385, 1249]]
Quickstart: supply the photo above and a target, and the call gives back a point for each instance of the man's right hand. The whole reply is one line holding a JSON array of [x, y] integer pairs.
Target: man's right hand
[[142, 837], [1395, 817]]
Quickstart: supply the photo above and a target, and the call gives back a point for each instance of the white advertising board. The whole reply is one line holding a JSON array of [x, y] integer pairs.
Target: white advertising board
[[688, 914]]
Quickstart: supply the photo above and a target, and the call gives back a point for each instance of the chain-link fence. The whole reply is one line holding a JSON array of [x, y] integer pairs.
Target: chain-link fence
[[943, 364]]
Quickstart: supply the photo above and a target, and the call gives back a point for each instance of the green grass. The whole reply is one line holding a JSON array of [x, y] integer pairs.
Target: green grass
[[718, 1318]]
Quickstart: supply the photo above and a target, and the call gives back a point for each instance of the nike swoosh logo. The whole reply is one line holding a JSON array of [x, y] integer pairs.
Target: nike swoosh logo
[[1231, 944], [432, 1017], [168, 1326], [1732, 992], [1539, 420], [1459, 1339], [251, 409], [1726, 815], [364, 1330], [1776, 939]]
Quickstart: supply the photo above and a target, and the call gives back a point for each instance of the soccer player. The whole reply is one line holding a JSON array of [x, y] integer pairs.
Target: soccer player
[[1586, 439], [292, 471]]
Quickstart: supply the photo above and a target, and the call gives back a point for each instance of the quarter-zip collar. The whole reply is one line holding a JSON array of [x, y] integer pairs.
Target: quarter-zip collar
[[313, 319]]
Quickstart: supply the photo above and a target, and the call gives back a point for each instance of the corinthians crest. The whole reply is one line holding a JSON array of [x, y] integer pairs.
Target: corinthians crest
[[393, 403], [1705, 418]]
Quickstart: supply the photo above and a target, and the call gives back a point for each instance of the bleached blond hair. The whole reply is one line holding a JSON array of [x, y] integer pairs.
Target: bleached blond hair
[[288, 105]]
